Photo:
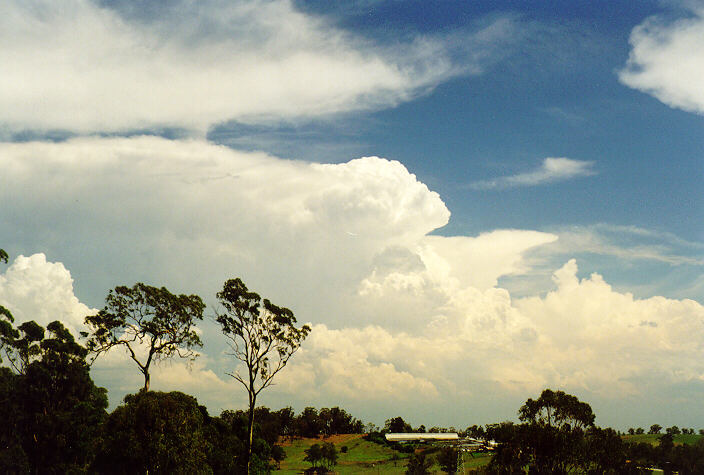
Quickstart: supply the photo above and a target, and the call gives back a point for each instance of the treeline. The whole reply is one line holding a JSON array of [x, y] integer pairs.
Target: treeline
[[557, 435], [54, 420]]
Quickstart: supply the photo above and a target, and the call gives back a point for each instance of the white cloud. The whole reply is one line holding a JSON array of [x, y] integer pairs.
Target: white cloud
[[34, 289], [80, 66], [552, 170], [667, 61], [402, 320]]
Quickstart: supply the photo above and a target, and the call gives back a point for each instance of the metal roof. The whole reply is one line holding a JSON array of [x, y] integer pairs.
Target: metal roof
[[399, 437]]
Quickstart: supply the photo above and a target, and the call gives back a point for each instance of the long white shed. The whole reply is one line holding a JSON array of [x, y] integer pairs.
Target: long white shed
[[417, 436]]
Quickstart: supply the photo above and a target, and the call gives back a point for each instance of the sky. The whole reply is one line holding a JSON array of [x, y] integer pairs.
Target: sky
[[468, 201]]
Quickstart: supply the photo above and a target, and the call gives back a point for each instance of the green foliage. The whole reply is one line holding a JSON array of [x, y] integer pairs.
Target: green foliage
[[557, 409], [419, 464], [145, 315], [551, 439], [157, 433], [52, 410], [261, 335], [447, 459], [396, 425], [321, 455]]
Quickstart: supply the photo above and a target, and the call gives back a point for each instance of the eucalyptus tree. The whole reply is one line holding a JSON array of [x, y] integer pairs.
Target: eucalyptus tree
[[262, 336], [150, 323], [7, 331]]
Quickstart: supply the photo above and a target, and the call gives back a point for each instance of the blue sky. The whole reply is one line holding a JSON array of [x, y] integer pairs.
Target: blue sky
[[510, 188]]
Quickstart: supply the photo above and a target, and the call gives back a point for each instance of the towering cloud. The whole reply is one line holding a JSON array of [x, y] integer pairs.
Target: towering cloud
[[401, 318]]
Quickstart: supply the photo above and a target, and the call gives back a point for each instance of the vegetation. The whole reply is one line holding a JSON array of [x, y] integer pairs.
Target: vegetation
[[145, 316], [262, 335], [55, 419]]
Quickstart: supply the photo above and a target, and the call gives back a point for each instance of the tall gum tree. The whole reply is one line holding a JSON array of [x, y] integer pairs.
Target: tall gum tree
[[150, 322], [262, 336]]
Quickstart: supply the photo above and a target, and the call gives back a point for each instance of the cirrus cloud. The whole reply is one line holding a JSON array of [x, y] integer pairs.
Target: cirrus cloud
[[83, 66]]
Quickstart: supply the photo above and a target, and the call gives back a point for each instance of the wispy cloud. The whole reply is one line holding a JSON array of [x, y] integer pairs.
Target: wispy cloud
[[552, 170], [85, 67]]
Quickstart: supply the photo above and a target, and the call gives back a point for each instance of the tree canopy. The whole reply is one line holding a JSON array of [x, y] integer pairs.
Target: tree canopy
[[150, 322]]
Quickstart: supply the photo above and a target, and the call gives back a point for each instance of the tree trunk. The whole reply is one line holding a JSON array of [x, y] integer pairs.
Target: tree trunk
[[250, 438], [146, 381]]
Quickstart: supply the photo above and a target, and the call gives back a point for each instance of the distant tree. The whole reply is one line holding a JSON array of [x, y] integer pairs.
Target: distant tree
[[308, 423], [474, 431], [419, 464], [261, 335], [447, 459], [701, 431], [631, 431], [421, 429], [329, 455], [287, 419], [314, 455], [655, 429], [640, 431], [674, 430], [396, 425], [557, 409], [553, 432], [146, 317], [278, 454]]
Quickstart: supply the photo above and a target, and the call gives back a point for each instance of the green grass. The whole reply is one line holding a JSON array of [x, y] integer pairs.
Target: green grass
[[653, 439], [362, 457]]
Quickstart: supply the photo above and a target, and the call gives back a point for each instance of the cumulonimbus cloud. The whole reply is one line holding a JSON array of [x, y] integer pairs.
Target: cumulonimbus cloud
[[347, 247], [552, 170], [82, 66], [667, 61]]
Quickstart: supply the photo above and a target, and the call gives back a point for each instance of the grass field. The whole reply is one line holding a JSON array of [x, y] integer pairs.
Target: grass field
[[361, 457], [652, 439]]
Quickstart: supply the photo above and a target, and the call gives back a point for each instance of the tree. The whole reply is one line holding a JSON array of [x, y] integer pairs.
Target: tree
[[51, 410], [24, 346], [155, 432], [261, 335], [396, 425], [447, 459], [314, 454], [145, 317], [7, 332], [419, 464], [553, 431], [655, 429], [557, 409]]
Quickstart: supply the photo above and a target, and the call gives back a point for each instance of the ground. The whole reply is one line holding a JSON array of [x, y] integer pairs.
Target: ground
[[361, 457]]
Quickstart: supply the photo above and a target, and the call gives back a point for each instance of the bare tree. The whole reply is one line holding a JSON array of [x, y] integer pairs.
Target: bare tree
[[262, 336]]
